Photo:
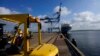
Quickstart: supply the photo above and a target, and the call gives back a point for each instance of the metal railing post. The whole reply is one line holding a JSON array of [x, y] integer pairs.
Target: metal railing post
[[39, 33]]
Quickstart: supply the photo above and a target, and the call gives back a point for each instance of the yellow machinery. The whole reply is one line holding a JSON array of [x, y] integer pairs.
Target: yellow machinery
[[42, 49]]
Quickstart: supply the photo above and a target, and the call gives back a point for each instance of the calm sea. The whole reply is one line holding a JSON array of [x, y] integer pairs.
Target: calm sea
[[88, 42]]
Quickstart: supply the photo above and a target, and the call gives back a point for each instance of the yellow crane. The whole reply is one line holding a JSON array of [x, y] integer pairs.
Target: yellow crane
[[42, 49]]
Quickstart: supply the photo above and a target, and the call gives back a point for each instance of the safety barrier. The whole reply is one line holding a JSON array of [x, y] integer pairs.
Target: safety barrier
[[73, 49]]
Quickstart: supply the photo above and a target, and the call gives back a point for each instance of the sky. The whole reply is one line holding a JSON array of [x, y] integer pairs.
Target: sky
[[80, 14]]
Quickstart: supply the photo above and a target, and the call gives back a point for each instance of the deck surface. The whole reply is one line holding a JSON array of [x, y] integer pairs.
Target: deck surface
[[45, 38], [52, 38], [63, 49]]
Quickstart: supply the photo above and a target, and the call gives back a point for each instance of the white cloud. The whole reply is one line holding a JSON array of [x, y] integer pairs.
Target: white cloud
[[4, 10], [84, 16], [29, 8], [86, 20], [44, 25], [42, 16], [64, 13], [64, 10], [81, 21]]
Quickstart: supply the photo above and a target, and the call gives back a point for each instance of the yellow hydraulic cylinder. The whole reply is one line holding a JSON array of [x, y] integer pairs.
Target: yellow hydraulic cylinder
[[45, 50]]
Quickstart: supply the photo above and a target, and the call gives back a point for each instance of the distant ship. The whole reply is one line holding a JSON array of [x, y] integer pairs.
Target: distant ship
[[65, 28]]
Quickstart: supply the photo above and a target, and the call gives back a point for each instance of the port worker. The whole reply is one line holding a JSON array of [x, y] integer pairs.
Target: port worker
[[19, 39], [74, 42]]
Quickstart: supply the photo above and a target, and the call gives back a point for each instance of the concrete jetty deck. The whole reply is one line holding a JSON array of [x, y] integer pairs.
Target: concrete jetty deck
[[64, 45], [53, 38], [46, 38], [63, 48]]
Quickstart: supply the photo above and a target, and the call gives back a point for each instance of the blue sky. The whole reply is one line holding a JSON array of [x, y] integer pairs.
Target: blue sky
[[37, 6], [81, 14], [47, 6]]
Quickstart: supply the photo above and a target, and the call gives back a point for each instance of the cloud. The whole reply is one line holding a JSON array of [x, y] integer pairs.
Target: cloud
[[42, 16], [29, 9], [84, 16], [64, 10], [64, 13], [44, 25], [4, 10], [86, 20]]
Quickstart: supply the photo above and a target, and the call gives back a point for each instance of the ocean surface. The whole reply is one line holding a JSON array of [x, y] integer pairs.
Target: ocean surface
[[87, 41]]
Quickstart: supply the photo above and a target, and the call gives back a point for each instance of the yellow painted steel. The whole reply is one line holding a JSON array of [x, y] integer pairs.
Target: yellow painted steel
[[39, 35], [25, 40], [45, 50], [42, 49], [19, 18]]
